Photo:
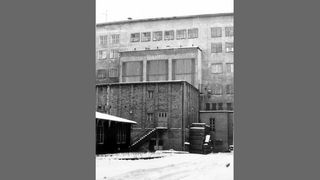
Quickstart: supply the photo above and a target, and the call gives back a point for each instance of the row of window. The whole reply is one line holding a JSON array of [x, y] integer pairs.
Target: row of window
[[102, 54], [115, 39], [218, 106], [217, 68], [104, 73], [217, 89], [162, 115], [166, 35], [217, 47], [192, 33]]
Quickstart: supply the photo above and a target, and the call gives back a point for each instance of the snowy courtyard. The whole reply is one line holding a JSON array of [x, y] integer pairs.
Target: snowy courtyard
[[165, 166]]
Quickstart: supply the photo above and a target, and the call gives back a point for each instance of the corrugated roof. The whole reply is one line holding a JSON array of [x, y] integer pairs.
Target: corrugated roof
[[112, 118], [164, 18]]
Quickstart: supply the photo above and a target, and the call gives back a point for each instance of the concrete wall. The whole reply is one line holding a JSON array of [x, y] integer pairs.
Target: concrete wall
[[204, 40], [223, 126]]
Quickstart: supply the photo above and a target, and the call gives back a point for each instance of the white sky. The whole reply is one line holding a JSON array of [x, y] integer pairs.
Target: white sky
[[116, 10]]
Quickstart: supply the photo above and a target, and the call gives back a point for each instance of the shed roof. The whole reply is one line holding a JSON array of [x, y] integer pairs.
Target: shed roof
[[112, 118]]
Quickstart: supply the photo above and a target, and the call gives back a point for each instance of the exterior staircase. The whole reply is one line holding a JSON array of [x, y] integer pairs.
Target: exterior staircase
[[144, 137]]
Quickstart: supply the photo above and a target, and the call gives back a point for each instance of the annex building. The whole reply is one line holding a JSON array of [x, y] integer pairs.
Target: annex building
[[162, 53]]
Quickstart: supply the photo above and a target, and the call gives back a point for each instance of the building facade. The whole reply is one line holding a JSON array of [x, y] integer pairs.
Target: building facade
[[163, 111], [197, 49]]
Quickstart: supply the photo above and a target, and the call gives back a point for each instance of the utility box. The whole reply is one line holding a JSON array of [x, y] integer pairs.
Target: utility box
[[200, 139]]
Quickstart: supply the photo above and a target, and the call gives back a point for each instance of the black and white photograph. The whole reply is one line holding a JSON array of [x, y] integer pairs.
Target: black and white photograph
[[164, 90]]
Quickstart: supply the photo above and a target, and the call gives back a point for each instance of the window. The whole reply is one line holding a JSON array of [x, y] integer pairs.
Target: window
[[100, 133], [157, 70], [162, 115], [184, 69], [169, 35], [218, 89], [216, 47], [150, 94], [114, 54], [207, 106], [229, 67], [135, 37], [216, 68], [193, 33], [101, 73], [229, 46], [220, 105], [229, 31], [132, 71], [214, 106], [121, 134], [102, 54], [212, 124], [181, 34], [157, 36], [145, 37], [103, 39], [149, 116], [115, 38], [229, 106], [113, 72], [229, 89], [216, 32]]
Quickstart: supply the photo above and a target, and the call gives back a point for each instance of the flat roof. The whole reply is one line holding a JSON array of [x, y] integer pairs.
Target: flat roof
[[169, 48], [145, 82], [109, 117], [164, 18]]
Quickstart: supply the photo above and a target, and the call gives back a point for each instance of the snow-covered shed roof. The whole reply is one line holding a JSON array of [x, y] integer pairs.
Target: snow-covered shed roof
[[112, 118]]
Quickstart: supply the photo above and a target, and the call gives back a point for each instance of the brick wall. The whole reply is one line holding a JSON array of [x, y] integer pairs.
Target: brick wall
[[130, 100]]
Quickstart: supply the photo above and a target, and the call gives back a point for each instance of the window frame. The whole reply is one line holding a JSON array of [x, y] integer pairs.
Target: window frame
[[178, 37], [193, 33], [154, 35], [135, 39], [216, 47], [218, 31]]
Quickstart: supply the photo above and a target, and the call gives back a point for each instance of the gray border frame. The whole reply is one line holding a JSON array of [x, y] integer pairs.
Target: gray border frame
[[276, 100], [47, 90]]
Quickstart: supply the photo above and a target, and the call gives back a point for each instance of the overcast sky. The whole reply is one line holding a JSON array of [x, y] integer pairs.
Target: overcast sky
[[116, 10]]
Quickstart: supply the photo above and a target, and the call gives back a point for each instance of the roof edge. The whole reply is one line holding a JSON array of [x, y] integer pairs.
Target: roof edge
[[164, 18]]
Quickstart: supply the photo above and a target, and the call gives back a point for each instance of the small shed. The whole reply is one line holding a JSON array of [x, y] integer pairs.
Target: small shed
[[112, 133], [201, 141]]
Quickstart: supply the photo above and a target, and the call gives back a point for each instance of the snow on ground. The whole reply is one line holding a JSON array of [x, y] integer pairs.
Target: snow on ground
[[171, 166]]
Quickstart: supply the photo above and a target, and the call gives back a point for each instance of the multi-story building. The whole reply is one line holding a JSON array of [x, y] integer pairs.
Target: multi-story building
[[197, 49]]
